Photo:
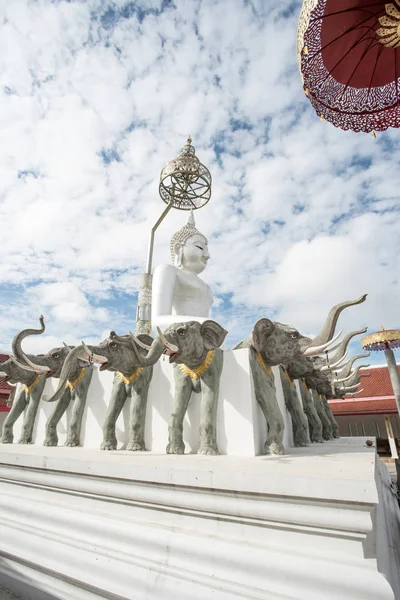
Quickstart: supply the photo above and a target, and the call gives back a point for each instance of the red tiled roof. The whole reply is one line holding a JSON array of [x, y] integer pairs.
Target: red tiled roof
[[4, 387], [376, 398]]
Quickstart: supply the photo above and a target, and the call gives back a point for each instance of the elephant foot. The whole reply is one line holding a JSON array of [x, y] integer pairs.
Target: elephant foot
[[274, 449], [317, 440], [175, 448], [135, 446], [208, 450], [25, 439], [301, 444], [50, 441], [7, 438], [72, 443], [107, 445]]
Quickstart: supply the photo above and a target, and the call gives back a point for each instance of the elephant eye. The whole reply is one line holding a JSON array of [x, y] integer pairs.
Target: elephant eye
[[294, 335], [56, 356], [113, 345], [181, 331]]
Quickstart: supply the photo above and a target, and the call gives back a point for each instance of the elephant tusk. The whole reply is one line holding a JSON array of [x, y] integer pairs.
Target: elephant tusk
[[335, 346], [336, 364], [313, 350], [3, 374], [139, 343], [166, 343], [13, 385], [97, 358], [355, 393], [30, 366]]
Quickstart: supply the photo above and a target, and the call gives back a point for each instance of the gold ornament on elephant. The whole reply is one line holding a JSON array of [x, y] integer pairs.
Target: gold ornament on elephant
[[131, 378], [28, 389], [196, 373], [72, 384]]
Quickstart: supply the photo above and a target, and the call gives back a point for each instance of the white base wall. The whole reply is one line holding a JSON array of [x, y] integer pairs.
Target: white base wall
[[242, 429], [80, 524]]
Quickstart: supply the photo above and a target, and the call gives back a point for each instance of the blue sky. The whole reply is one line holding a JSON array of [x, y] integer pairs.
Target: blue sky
[[96, 96]]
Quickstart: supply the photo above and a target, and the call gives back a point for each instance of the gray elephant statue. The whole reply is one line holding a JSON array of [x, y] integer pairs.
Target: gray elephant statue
[[26, 399], [76, 389], [122, 355], [194, 350], [273, 343]]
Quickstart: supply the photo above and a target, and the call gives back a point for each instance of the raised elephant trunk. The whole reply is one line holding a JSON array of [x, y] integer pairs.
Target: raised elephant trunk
[[346, 368], [21, 359], [328, 329], [355, 374], [343, 346], [68, 366], [157, 348]]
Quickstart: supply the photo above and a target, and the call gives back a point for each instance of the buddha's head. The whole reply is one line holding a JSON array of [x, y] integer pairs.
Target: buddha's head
[[189, 248]]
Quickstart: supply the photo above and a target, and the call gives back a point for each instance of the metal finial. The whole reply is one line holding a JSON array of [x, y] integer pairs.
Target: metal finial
[[185, 181]]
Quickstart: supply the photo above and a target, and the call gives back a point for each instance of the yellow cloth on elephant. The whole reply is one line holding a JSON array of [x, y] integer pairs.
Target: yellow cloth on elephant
[[290, 380], [28, 389], [264, 366], [131, 378], [196, 373], [72, 384]]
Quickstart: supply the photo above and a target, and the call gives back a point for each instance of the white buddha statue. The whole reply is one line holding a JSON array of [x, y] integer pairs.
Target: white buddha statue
[[178, 292]]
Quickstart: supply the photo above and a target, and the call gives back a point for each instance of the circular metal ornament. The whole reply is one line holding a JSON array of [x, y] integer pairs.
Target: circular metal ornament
[[382, 340], [185, 181]]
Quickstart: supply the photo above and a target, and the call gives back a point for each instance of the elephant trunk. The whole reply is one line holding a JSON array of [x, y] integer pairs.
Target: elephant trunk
[[19, 354], [343, 346], [328, 329], [68, 366], [157, 348], [346, 368]]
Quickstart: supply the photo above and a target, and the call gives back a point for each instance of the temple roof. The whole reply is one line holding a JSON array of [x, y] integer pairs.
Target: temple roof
[[376, 398]]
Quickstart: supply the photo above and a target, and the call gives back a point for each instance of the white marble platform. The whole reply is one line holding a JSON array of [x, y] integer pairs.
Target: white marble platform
[[241, 426], [81, 524]]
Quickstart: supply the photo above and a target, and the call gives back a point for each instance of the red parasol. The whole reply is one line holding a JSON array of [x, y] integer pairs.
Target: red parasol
[[349, 58]]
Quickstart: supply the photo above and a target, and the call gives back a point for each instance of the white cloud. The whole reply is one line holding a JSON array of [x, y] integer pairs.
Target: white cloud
[[96, 97]]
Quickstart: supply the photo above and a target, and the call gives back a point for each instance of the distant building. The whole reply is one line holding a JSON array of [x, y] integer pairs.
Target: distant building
[[5, 389], [373, 412]]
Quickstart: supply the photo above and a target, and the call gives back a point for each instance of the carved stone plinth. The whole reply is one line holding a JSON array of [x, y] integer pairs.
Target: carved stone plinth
[[86, 525]]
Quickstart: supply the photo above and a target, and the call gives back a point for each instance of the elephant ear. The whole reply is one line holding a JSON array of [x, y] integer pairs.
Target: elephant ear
[[262, 329], [213, 334]]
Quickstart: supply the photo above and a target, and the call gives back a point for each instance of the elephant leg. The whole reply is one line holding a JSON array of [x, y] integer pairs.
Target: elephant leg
[[79, 395], [51, 438], [17, 409], [299, 421], [314, 424], [208, 421], [327, 432], [74, 429], [183, 391], [329, 414], [138, 415], [265, 392], [118, 398], [29, 419]]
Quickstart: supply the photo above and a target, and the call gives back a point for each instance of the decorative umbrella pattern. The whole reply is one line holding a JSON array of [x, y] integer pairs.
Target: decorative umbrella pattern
[[349, 58]]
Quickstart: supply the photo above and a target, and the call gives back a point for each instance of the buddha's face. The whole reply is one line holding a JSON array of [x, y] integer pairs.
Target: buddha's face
[[193, 254]]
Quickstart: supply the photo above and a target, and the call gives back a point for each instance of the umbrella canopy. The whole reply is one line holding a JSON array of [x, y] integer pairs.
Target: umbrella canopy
[[349, 57], [382, 340]]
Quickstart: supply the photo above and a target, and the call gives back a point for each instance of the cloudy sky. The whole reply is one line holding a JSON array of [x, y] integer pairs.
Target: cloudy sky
[[96, 96]]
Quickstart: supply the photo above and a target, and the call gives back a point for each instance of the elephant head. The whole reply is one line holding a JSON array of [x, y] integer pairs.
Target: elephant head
[[186, 343], [50, 363], [279, 343], [115, 353]]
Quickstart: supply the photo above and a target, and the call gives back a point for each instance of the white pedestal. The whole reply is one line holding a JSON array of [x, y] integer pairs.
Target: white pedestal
[[241, 426], [79, 524]]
